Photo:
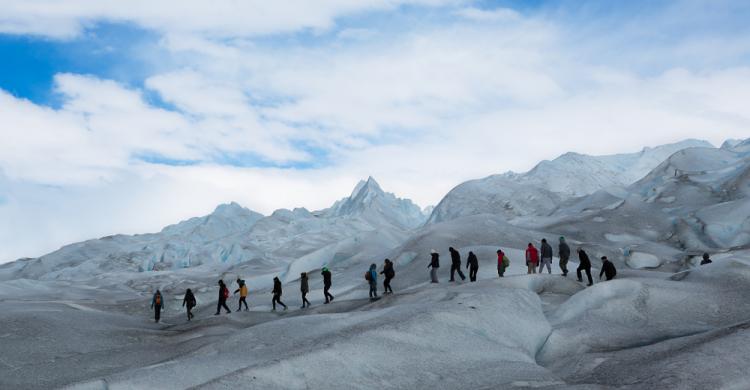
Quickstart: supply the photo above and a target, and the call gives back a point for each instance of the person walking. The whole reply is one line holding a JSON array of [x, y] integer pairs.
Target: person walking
[[434, 265], [243, 294], [502, 263], [326, 284], [304, 288], [455, 264], [532, 259], [372, 277], [563, 250], [190, 302], [223, 295], [608, 269], [388, 274], [546, 257], [277, 294], [472, 263], [157, 303], [584, 264], [706, 259]]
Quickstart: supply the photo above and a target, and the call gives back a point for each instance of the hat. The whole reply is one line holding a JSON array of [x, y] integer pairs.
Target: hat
[[433, 251]]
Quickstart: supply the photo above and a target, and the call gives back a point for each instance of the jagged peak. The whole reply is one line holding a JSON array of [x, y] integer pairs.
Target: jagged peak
[[369, 185]]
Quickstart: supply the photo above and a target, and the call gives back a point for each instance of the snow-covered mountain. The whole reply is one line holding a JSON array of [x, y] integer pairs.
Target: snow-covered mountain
[[541, 189], [235, 238]]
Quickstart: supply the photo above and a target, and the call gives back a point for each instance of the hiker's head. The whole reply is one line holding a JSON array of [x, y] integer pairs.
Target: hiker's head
[[604, 258], [544, 240], [705, 256]]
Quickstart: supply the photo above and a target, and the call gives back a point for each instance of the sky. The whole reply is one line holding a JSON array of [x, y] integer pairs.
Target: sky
[[124, 117]]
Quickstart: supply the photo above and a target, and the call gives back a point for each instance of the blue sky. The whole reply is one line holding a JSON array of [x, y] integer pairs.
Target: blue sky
[[166, 109]]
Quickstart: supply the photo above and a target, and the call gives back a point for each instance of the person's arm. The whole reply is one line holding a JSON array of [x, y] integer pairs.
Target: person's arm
[[601, 272], [236, 291]]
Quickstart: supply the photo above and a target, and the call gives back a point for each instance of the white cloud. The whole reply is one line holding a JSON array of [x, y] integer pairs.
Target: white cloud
[[420, 109]]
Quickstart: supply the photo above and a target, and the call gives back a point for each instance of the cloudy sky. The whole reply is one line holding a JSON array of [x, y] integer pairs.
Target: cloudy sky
[[127, 116]]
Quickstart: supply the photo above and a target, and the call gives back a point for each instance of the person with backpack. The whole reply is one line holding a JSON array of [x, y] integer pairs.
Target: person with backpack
[[706, 259], [326, 284], [546, 257], [304, 288], [472, 263], [584, 264], [223, 296], [372, 277], [608, 269], [455, 264], [277, 293], [190, 302], [157, 303], [532, 259], [389, 274], [243, 294], [434, 265], [563, 250], [502, 263]]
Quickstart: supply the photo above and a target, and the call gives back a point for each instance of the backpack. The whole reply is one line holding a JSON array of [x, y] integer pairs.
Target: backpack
[[158, 300], [225, 293], [368, 276], [506, 262]]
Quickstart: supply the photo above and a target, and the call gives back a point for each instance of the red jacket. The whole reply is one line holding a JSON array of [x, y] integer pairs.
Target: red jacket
[[500, 259], [532, 255]]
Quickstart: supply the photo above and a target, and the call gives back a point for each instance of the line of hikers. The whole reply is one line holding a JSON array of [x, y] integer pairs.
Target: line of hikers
[[533, 261]]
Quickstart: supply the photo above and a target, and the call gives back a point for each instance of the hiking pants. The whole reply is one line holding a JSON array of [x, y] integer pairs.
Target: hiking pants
[[457, 268], [373, 289], [473, 274], [243, 300], [387, 285], [433, 275], [564, 265], [222, 303], [548, 263], [326, 287], [277, 298], [531, 267], [190, 312], [304, 299], [157, 312], [588, 274]]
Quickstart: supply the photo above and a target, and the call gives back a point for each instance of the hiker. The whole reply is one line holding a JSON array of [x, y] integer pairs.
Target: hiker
[[389, 274], [608, 269], [455, 264], [243, 293], [223, 295], [326, 284], [304, 288], [277, 293], [532, 259], [372, 277], [546, 257], [434, 265], [563, 250], [157, 303], [706, 259], [472, 263], [584, 264], [502, 263], [190, 302]]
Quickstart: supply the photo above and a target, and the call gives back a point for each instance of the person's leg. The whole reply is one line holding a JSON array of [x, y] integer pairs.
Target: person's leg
[[218, 307], [549, 266], [325, 292], [578, 273], [273, 302], [461, 273], [588, 275], [433, 275], [157, 312], [224, 304], [453, 272], [244, 300]]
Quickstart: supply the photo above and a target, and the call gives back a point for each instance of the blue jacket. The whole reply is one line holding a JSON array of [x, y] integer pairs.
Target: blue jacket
[[373, 275]]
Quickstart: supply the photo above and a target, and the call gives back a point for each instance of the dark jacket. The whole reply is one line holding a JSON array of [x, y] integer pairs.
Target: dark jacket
[[222, 293], [388, 270], [303, 284], [189, 299], [608, 269], [706, 261], [472, 261], [546, 251], [563, 251], [584, 262], [435, 261], [326, 277], [277, 286], [455, 257]]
